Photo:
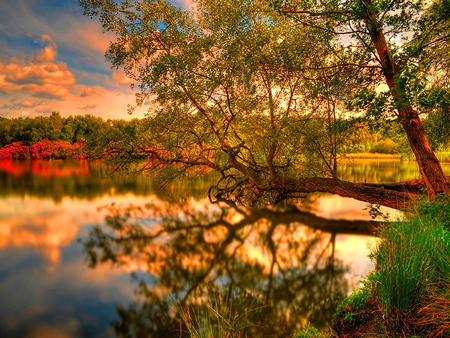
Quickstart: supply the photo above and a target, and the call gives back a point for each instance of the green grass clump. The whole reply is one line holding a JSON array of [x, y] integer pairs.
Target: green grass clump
[[355, 303], [408, 293], [311, 332], [412, 276], [411, 257]]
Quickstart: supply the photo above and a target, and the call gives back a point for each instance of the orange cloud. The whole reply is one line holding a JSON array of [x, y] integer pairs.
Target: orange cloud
[[92, 37], [88, 106], [122, 78], [40, 76], [45, 234], [88, 91]]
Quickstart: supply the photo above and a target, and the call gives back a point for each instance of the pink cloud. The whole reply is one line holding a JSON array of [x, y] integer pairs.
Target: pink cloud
[[88, 91], [122, 78], [92, 38], [40, 75], [31, 103]]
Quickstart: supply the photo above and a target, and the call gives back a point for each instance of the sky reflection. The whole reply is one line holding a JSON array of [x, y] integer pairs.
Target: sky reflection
[[47, 289]]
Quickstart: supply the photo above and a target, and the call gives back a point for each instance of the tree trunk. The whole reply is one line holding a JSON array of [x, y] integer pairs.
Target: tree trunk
[[434, 178]]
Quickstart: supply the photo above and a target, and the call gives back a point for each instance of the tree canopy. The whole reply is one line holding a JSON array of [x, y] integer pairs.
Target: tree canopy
[[263, 92]]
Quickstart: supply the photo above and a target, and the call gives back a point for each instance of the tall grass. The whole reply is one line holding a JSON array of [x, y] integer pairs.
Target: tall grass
[[411, 257], [443, 156], [408, 292], [224, 313], [412, 275]]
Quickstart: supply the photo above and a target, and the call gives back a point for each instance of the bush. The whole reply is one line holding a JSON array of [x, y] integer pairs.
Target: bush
[[386, 146], [44, 149]]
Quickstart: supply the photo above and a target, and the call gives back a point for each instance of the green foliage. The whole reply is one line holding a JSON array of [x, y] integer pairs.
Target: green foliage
[[311, 332], [54, 128], [353, 304], [386, 146], [437, 210]]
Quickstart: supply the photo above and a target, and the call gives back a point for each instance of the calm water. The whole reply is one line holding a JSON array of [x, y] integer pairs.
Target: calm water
[[86, 256]]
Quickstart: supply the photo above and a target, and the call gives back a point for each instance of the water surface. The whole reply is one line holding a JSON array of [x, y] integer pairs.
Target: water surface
[[88, 256]]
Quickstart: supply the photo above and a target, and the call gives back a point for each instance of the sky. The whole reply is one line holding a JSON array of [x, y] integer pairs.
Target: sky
[[52, 59]]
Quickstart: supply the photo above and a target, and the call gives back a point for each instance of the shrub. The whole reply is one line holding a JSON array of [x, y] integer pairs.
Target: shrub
[[386, 146], [44, 149], [15, 150]]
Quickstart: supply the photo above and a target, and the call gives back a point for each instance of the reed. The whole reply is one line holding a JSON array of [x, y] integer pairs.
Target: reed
[[224, 313], [412, 276]]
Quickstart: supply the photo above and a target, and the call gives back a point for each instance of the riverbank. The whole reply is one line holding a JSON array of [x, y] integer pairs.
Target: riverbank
[[442, 156], [408, 292]]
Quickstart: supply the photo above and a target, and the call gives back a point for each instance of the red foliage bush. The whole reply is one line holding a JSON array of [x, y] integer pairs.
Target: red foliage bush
[[44, 149], [15, 150]]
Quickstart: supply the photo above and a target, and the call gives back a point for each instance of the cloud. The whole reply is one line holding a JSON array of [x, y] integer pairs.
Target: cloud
[[88, 91], [88, 106], [25, 103], [31, 103], [40, 75], [122, 78]]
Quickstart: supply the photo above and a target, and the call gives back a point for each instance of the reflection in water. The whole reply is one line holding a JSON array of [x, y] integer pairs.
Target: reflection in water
[[177, 243], [45, 232], [277, 254], [382, 171], [57, 179]]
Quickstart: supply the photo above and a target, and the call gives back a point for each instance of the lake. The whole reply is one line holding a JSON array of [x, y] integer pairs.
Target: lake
[[84, 255]]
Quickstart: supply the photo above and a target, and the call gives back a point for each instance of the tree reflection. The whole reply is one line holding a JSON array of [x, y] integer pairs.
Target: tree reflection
[[283, 256]]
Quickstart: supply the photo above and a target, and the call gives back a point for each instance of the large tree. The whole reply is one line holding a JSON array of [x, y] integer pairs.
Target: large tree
[[233, 86], [397, 37]]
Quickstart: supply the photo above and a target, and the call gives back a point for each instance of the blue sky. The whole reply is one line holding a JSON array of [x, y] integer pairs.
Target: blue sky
[[52, 58]]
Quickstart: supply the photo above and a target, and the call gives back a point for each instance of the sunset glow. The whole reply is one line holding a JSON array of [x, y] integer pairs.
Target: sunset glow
[[52, 59]]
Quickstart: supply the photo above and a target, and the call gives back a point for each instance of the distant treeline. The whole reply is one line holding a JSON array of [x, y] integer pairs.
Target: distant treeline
[[54, 127], [96, 132]]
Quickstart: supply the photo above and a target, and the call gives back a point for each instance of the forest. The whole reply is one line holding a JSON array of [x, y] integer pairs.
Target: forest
[[364, 136]]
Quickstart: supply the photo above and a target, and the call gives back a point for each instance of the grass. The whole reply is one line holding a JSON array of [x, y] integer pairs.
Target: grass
[[379, 156], [224, 313], [406, 264], [442, 156], [408, 292]]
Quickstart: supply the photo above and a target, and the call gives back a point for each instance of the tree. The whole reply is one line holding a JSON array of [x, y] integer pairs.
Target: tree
[[232, 88], [396, 37]]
